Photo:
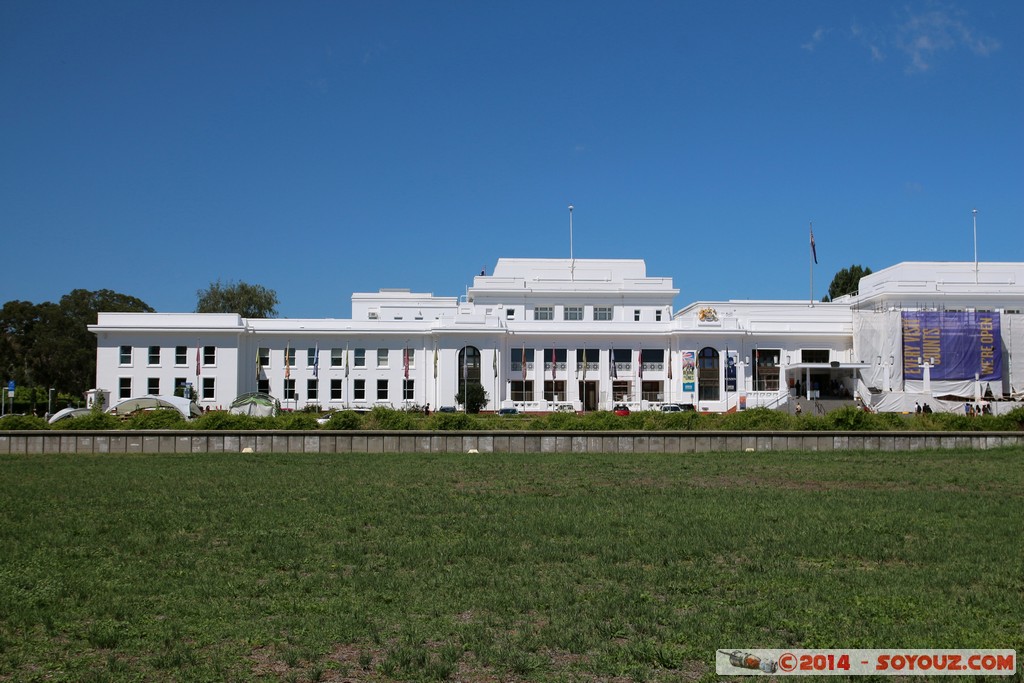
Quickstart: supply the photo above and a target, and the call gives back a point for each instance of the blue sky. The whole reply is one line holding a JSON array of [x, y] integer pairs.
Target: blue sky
[[321, 148]]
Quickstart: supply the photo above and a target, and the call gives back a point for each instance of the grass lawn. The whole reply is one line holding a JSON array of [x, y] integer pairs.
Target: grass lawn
[[497, 567]]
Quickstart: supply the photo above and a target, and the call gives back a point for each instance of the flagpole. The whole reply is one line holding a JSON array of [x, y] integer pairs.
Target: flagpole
[[810, 264], [975, 212], [572, 261]]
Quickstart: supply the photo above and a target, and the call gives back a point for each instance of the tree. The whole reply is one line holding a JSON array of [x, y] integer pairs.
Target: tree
[[846, 281], [474, 397], [50, 345], [249, 301]]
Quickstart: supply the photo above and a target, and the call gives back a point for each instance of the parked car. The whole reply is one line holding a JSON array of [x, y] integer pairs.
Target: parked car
[[677, 407], [621, 409], [564, 408], [447, 409], [508, 411]]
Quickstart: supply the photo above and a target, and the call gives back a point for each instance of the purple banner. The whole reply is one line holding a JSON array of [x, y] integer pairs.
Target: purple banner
[[957, 345]]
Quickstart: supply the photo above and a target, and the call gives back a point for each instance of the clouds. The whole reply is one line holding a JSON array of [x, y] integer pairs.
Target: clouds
[[916, 37]]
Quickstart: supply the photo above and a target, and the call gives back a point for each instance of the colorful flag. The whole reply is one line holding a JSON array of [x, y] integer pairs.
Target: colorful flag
[[346, 361], [435, 361], [198, 358], [287, 365], [405, 362], [259, 365], [316, 360], [814, 251], [524, 362]]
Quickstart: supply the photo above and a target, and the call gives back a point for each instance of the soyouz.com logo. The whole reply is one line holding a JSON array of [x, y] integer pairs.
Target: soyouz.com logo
[[759, 662]]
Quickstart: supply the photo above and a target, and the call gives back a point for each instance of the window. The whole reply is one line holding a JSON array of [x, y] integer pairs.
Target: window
[[522, 391], [544, 313], [622, 362], [572, 313], [264, 354], [289, 389], [814, 356], [180, 386], [154, 355], [510, 314], [382, 390], [636, 315], [516, 357], [209, 356], [1011, 311], [337, 358], [382, 358], [602, 312], [766, 370], [469, 367], [708, 383], [657, 316], [336, 389], [409, 392], [263, 386], [209, 386], [359, 390], [180, 355], [126, 355], [409, 356], [554, 391], [311, 390], [359, 360], [310, 357], [289, 360], [153, 386], [651, 391], [124, 387]]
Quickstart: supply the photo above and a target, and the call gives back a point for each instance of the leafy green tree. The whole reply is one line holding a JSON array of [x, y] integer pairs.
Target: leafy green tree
[[846, 281], [474, 397], [50, 345], [249, 301]]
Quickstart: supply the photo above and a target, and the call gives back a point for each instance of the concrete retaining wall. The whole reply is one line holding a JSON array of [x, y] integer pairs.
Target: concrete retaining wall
[[490, 442]]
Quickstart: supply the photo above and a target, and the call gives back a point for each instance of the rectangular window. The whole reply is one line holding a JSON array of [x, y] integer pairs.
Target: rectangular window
[[516, 357], [359, 358], [126, 355], [310, 357], [337, 358], [289, 389], [209, 356], [359, 390], [382, 390], [154, 355], [623, 360], [814, 355], [264, 354], [621, 390], [124, 387], [657, 316], [153, 386], [766, 370], [651, 391], [311, 390], [572, 313], [510, 314], [544, 313], [209, 387], [554, 391], [522, 392], [335, 389], [602, 312], [382, 358], [180, 355], [636, 315], [409, 391], [179, 386], [263, 386]]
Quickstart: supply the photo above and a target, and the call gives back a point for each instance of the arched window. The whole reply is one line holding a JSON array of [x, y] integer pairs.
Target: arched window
[[708, 383], [469, 366]]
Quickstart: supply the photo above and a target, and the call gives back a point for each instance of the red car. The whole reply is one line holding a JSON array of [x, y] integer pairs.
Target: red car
[[621, 409]]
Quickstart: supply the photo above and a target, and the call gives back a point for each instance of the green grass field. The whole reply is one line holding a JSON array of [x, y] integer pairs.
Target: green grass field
[[497, 567]]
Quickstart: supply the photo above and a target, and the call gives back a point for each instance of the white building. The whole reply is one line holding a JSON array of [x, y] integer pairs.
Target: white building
[[591, 333]]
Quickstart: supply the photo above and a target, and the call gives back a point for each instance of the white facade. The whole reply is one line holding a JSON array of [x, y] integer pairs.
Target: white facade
[[538, 333]]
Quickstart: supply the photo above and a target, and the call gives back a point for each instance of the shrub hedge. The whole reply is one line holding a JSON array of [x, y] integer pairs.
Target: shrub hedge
[[756, 419]]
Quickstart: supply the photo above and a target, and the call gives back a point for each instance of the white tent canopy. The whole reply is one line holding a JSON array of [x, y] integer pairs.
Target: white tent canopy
[[183, 405]]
